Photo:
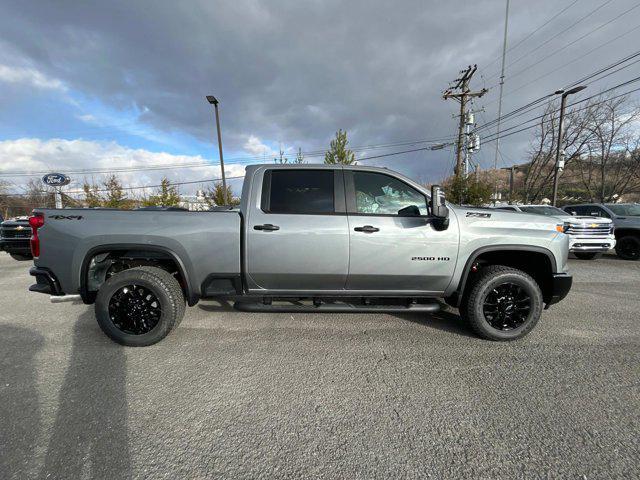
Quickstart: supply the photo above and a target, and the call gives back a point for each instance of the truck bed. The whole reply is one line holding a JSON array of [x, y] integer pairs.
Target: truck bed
[[202, 242]]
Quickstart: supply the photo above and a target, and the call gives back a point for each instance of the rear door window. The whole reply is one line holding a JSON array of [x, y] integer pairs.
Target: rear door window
[[299, 191]]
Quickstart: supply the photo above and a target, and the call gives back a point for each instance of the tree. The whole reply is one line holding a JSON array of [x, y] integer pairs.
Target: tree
[[470, 190], [281, 158], [166, 196], [115, 197], [339, 152], [92, 197], [299, 156], [216, 196]]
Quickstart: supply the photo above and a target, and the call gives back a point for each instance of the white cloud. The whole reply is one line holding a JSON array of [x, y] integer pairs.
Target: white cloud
[[255, 147], [29, 76], [72, 156]]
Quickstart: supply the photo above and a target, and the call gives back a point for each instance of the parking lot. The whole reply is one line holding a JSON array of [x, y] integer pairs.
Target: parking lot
[[233, 395]]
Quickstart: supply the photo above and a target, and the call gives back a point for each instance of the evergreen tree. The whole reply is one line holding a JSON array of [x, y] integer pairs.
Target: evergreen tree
[[299, 156], [92, 198], [166, 196], [115, 197], [216, 196], [339, 152]]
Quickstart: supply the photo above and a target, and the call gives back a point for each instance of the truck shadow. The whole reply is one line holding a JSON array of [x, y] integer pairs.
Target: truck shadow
[[89, 438], [443, 320], [19, 405]]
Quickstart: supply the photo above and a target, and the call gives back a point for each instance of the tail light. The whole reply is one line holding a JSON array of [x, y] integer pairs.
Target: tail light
[[35, 222]]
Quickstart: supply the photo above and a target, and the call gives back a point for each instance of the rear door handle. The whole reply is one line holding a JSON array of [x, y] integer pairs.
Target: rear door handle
[[367, 229], [267, 226]]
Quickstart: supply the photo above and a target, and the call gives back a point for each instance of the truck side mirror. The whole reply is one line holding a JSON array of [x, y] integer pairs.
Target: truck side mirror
[[439, 210], [438, 206]]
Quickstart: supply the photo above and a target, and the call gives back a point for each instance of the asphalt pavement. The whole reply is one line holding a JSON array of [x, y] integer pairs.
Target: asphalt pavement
[[238, 395]]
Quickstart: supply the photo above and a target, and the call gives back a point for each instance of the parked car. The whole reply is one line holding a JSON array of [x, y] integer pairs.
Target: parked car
[[306, 238], [588, 236], [626, 220], [14, 238]]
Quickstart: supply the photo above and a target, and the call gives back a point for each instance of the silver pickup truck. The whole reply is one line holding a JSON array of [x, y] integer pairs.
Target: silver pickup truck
[[305, 238]]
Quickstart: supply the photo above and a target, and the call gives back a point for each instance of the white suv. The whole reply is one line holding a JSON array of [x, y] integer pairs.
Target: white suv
[[588, 236]]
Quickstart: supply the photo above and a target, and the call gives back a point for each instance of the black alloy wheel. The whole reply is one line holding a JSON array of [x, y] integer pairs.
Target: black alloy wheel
[[134, 309], [507, 306]]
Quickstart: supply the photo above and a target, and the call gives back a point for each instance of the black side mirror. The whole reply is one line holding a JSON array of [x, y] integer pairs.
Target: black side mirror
[[439, 210], [409, 211]]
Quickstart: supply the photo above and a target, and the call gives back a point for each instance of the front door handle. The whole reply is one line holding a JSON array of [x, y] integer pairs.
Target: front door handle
[[267, 226], [367, 229]]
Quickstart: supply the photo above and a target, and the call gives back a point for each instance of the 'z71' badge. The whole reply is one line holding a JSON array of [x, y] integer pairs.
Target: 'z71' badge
[[478, 215]]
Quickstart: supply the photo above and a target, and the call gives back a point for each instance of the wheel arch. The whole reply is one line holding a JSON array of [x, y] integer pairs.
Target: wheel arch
[[138, 250], [510, 255]]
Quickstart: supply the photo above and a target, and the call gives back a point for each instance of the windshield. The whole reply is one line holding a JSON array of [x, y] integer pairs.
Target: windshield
[[544, 210], [632, 210]]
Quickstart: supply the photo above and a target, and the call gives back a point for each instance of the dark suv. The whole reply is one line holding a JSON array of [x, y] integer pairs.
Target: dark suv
[[626, 222], [14, 238]]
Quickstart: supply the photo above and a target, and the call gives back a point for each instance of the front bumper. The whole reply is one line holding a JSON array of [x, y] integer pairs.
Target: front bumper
[[46, 282], [560, 286], [581, 244], [16, 245]]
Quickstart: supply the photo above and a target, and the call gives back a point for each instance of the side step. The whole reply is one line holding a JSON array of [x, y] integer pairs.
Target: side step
[[245, 306]]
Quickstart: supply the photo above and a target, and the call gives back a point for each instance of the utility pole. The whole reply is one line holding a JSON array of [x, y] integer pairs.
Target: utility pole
[[512, 173], [461, 92], [214, 101], [504, 55]]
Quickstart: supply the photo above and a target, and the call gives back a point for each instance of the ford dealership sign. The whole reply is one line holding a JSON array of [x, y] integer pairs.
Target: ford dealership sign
[[56, 179]]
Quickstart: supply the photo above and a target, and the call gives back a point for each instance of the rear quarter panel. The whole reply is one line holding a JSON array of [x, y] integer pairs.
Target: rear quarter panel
[[204, 242]]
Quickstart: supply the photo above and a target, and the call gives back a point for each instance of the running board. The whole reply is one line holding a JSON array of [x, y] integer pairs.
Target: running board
[[336, 308]]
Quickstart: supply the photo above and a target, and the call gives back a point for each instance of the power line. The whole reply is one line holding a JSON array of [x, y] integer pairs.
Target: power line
[[574, 42], [535, 103], [526, 55], [521, 41], [236, 161]]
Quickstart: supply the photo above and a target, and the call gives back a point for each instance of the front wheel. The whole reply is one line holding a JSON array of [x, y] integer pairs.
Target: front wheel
[[139, 306], [628, 248], [504, 304], [586, 255]]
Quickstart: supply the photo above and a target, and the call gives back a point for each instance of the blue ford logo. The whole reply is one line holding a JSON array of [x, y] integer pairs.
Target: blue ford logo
[[56, 179]]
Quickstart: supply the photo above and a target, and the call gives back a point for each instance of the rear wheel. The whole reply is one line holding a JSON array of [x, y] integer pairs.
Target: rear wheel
[[503, 304], [586, 255], [140, 306], [628, 248]]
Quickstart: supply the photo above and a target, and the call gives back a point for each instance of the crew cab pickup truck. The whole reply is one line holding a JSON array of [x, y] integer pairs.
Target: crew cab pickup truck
[[14, 238], [626, 222], [320, 238], [588, 236]]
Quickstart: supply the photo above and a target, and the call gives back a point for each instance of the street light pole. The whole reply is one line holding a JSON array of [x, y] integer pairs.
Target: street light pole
[[556, 170], [213, 101]]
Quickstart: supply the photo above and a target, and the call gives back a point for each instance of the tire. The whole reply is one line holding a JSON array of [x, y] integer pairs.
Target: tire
[[516, 318], [20, 257], [628, 247], [125, 306], [586, 255]]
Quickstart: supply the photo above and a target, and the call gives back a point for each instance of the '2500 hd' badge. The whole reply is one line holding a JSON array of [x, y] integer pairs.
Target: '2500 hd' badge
[[432, 259]]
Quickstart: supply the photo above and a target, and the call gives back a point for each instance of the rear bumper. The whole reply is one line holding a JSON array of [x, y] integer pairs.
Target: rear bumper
[[560, 286], [46, 282]]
